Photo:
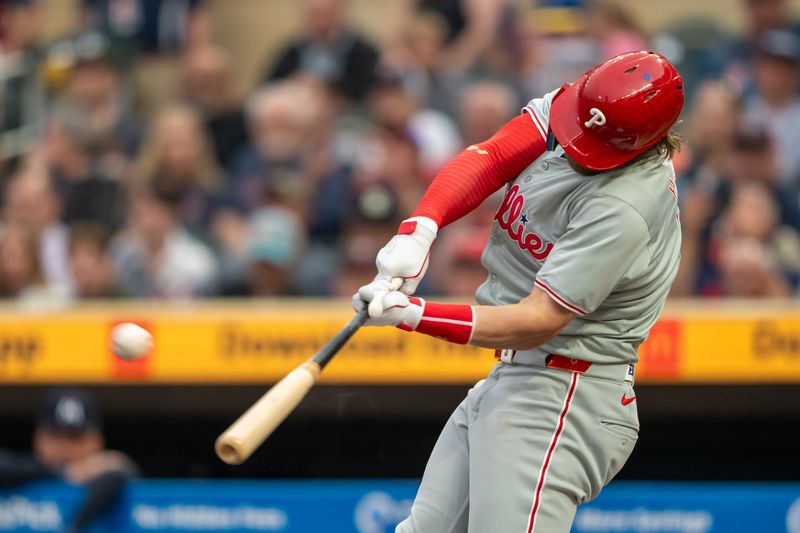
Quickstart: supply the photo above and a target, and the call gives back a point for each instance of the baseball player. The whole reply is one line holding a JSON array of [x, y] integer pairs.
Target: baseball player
[[581, 257]]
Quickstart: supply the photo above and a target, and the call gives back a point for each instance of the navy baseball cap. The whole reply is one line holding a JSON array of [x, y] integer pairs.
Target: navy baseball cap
[[779, 44], [68, 410]]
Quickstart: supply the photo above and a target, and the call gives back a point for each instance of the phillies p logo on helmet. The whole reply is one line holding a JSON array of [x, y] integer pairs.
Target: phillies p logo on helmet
[[598, 118]]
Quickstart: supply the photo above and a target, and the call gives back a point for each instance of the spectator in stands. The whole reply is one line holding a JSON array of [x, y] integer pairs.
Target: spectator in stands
[[21, 94], [68, 443], [84, 190], [754, 161], [419, 57], [484, 108], [328, 50], [614, 28], [433, 133], [21, 275], [747, 271], [556, 49], [754, 214], [712, 124], [66, 147], [93, 272], [469, 27], [177, 159], [762, 16], [291, 155], [275, 242], [707, 200], [153, 33], [459, 271], [373, 218], [95, 87], [31, 201], [776, 103], [156, 257], [386, 174], [750, 222], [207, 85], [151, 26]]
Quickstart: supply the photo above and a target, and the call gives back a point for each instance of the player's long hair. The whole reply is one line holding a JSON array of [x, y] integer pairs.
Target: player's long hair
[[669, 145]]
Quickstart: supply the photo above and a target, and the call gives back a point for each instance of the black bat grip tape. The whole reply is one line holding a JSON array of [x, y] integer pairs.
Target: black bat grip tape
[[326, 353]]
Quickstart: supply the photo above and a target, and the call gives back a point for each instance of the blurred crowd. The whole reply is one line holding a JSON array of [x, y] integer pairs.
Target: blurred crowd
[[130, 168]]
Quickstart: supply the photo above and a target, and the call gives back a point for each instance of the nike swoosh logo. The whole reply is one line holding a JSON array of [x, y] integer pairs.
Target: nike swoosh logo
[[626, 401]]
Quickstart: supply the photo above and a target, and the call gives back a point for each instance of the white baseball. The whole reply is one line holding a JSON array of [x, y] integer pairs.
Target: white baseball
[[129, 341]]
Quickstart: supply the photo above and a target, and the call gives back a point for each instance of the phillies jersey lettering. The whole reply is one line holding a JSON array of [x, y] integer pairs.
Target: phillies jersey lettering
[[605, 246], [510, 218]]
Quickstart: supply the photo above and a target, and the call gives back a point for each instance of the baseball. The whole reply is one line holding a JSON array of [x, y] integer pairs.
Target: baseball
[[129, 341]]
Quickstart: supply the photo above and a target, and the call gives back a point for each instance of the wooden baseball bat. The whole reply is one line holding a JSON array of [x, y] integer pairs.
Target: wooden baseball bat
[[242, 438]]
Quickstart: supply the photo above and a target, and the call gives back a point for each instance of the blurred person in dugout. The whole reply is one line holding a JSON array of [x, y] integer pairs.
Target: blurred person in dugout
[[328, 50], [154, 33], [68, 444], [156, 257]]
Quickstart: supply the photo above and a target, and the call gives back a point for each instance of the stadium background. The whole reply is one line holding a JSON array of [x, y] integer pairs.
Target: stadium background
[[118, 150]]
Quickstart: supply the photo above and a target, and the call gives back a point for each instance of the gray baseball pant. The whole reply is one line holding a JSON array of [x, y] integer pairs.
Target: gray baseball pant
[[526, 446]]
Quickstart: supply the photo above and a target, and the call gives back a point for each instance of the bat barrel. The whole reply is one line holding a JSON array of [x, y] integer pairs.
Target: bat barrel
[[242, 438], [231, 451]]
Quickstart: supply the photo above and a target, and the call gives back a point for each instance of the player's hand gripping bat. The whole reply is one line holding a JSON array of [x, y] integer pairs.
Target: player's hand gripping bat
[[245, 435]]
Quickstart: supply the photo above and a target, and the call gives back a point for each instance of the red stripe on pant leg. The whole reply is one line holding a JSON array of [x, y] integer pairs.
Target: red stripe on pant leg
[[537, 498]]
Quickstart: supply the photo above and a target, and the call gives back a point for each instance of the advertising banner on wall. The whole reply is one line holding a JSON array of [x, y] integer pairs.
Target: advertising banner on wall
[[377, 506], [260, 342]]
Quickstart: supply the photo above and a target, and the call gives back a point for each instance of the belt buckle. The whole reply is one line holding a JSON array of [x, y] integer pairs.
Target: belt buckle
[[567, 363]]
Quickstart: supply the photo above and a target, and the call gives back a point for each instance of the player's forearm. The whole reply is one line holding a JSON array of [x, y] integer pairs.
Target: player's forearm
[[527, 324], [519, 326], [480, 170]]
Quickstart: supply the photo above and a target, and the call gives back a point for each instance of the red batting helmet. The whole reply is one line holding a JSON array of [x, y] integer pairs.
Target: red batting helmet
[[617, 110]]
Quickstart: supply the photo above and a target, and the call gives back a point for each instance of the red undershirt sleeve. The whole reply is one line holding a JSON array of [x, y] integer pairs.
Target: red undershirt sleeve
[[477, 172]]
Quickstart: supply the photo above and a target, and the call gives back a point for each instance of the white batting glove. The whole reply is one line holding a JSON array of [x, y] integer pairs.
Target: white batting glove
[[397, 310], [404, 258]]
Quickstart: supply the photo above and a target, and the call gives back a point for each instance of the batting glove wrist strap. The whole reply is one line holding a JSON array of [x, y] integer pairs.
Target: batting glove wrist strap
[[452, 322]]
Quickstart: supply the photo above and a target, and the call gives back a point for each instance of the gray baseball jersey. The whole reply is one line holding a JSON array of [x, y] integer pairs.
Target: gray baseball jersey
[[606, 247], [531, 443]]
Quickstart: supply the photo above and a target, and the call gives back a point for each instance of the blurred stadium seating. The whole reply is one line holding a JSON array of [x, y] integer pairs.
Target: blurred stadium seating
[[223, 173]]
